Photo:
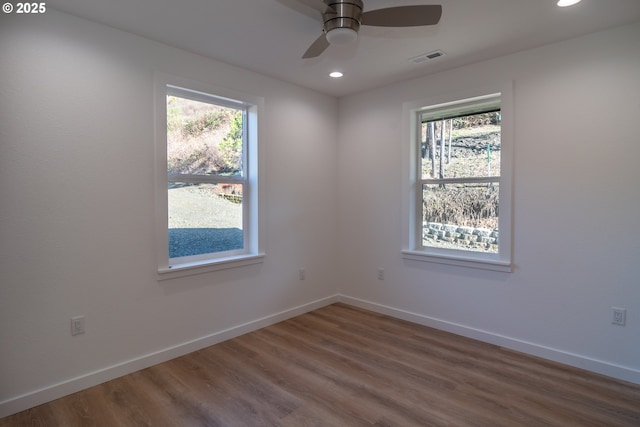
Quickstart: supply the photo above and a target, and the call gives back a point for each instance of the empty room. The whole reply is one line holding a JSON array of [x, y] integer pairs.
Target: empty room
[[320, 212]]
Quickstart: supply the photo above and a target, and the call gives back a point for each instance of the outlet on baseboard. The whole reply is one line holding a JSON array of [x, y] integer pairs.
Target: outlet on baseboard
[[618, 316], [77, 325], [301, 274], [381, 274]]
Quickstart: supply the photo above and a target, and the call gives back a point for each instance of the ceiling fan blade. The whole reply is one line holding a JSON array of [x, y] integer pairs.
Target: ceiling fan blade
[[318, 5], [403, 16], [317, 47]]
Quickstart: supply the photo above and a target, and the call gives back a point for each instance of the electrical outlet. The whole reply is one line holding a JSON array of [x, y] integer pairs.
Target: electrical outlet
[[301, 274], [77, 325], [381, 274], [618, 316]]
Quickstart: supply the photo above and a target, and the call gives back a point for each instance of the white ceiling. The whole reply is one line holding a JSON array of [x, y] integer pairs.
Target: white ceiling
[[270, 36]]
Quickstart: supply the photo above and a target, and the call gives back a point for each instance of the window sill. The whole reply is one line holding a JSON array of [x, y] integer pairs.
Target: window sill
[[206, 266], [458, 260]]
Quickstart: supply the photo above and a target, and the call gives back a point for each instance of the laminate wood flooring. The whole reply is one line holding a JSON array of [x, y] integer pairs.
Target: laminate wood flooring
[[344, 366]]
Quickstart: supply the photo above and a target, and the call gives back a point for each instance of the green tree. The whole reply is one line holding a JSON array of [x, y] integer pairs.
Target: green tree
[[231, 145]]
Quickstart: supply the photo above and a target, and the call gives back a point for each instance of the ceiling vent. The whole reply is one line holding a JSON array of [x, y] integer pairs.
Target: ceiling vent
[[427, 57]]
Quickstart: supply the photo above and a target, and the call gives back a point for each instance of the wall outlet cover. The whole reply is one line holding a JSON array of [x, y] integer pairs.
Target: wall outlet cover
[[618, 316]]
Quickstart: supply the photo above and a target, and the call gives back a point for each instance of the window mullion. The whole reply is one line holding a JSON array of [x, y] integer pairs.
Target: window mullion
[[465, 180], [209, 179]]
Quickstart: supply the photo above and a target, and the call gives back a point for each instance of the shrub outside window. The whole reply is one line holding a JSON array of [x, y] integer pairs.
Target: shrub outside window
[[459, 201]]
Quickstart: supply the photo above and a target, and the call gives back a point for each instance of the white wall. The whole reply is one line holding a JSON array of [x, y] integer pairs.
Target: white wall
[[576, 241], [77, 209]]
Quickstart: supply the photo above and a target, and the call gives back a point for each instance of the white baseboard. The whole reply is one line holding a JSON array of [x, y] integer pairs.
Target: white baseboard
[[73, 385], [55, 391], [598, 366]]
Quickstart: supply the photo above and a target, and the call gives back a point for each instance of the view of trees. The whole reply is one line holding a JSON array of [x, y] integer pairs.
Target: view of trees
[[472, 141], [460, 170], [460, 159], [203, 138]]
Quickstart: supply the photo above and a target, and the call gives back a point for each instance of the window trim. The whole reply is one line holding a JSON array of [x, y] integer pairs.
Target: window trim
[[253, 208], [412, 248]]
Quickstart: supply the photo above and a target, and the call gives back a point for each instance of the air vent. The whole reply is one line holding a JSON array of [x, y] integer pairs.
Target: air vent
[[427, 57]]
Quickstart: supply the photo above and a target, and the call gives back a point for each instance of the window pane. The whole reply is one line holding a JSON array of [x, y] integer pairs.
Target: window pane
[[461, 216], [204, 218], [203, 138], [467, 146]]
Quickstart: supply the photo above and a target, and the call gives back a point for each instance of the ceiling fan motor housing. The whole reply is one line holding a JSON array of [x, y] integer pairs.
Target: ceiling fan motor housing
[[342, 14], [341, 20]]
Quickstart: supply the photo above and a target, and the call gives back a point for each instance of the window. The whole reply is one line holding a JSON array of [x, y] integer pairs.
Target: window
[[207, 173], [458, 205]]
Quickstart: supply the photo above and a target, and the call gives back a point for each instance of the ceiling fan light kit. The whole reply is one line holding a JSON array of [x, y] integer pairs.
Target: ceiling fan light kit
[[342, 36], [342, 20]]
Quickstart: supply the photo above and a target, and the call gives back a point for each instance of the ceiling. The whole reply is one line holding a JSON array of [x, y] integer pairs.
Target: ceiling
[[270, 36]]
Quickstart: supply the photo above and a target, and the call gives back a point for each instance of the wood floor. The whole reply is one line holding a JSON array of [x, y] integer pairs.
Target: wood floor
[[343, 366]]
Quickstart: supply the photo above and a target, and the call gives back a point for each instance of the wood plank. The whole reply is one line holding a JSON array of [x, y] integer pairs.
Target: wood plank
[[344, 366]]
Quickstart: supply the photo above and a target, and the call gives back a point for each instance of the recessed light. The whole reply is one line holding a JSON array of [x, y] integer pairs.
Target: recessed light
[[565, 3], [336, 74]]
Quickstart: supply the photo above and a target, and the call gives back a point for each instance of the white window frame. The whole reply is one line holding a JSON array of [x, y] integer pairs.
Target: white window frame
[[412, 247], [253, 218]]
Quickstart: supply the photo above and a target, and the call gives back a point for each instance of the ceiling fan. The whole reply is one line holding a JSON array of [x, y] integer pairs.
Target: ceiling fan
[[342, 20]]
